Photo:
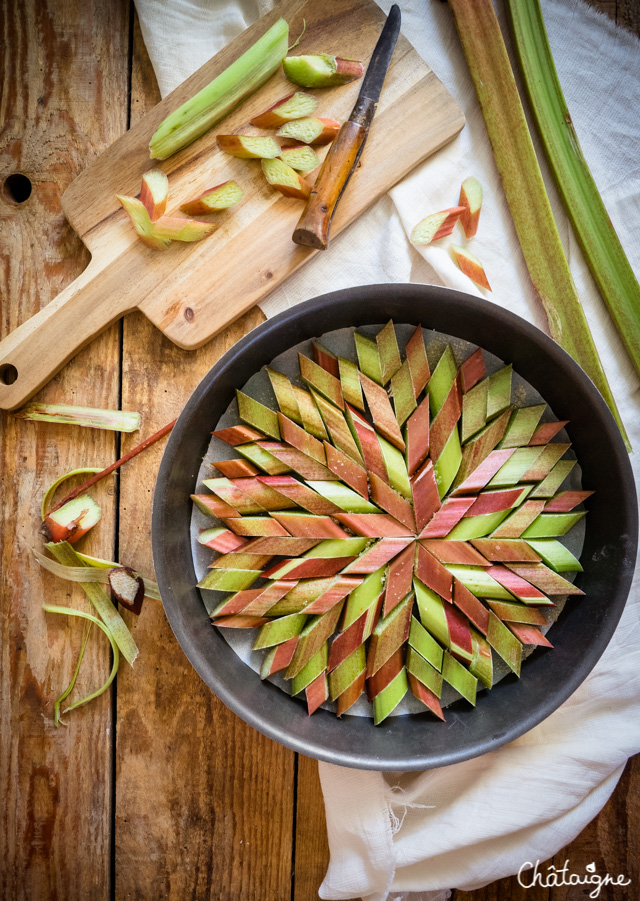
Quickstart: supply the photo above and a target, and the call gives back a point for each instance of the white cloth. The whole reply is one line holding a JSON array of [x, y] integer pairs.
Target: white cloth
[[467, 825]]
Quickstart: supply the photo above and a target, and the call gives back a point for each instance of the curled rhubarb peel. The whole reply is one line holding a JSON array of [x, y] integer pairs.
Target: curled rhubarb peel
[[524, 188], [91, 573], [385, 520], [67, 611], [600, 244]]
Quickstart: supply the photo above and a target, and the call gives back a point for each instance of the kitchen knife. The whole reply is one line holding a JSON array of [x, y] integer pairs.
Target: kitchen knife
[[313, 228]]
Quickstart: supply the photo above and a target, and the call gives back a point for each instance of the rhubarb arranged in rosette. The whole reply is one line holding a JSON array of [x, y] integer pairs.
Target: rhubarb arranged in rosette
[[391, 527]]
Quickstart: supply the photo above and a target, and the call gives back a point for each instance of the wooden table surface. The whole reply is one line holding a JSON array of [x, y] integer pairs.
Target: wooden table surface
[[155, 790]]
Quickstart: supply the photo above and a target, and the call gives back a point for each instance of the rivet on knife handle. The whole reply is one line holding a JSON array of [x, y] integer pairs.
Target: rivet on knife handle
[[313, 228]]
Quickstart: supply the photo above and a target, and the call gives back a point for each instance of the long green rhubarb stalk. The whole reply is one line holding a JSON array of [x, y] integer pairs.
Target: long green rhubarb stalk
[[524, 188], [602, 249], [231, 87]]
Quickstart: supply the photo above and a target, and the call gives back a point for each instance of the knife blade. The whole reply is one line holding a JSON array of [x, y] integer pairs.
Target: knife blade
[[314, 225]]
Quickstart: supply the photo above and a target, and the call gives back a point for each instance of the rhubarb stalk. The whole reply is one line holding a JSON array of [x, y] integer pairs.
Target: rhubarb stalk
[[490, 69], [600, 244], [90, 417]]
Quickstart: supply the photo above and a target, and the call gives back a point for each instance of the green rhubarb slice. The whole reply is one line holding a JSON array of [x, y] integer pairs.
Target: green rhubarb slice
[[550, 486], [279, 630], [347, 672], [386, 702], [510, 473], [263, 459], [459, 677], [256, 414], [396, 468], [388, 351], [424, 672], [555, 555], [522, 425], [474, 410], [343, 496], [350, 381], [477, 526], [368, 357], [553, 525], [311, 670], [479, 582], [228, 579], [425, 644]]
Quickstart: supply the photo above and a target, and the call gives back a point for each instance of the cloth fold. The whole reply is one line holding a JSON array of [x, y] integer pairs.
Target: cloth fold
[[413, 837]]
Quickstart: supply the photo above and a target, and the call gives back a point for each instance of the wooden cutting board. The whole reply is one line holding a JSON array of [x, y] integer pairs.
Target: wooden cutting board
[[192, 291]]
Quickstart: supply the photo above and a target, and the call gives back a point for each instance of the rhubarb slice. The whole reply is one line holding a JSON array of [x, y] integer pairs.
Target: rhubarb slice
[[71, 521], [142, 224], [310, 130], [321, 71], [154, 192], [436, 225], [471, 201], [248, 147], [285, 179], [256, 414], [220, 197], [293, 106], [300, 157]]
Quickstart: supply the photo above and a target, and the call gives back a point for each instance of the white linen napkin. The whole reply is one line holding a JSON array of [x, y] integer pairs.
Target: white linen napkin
[[415, 836]]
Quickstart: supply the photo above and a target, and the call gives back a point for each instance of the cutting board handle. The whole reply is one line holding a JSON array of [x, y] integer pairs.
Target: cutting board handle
[[40, 347]]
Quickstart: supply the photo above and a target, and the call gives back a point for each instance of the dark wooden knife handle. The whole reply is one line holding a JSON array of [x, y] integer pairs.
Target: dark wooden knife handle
[[313, 228]]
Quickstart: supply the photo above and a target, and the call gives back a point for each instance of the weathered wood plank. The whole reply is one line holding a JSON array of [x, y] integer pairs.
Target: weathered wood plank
[[62, 100], [312, 847], [204, 804]]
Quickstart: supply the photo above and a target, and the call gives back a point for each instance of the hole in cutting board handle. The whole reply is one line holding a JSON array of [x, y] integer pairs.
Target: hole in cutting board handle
[[17, 187], [8, 374]]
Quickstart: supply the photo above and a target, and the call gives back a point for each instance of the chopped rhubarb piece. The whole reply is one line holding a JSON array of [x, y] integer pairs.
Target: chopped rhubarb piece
[[436, 225], [294, 459], [496, 501], [349, 671], [517, 613], [382, 412], [142, 224], [442, 380], [513, 471], [323, 382], [265, 495], [417, 436], [566, 501], [553, 525], [228, 579], [388, 352], [256, 526], [396, 468], [519, 520], [347, 470], [347, 500], [337, 427], [377, 555], [213, 506], [256, 414], [444, 422], [321, 70], [293, 106], [317, 693], [282, 546], [470, 265], [253, 601], [518, 587], [504, 643], [474, 410], [389, 635], [444, 621], [353, 635], [499, 395], [374, 525], [348, 698], [301, 440], [390, 501], [544, 578], [310, 130], [241, 560], [220, 197], [368, 357], [485, 472], [433, 574], [249, 147], [300, 157], [550, 485], [386, 702], [326, 359], [476, 451], [384, 674], [316, 632], [236, 469], [71, 521], [127, 588], [426, 498], [368, 443], [404, 399], [222, 540], [481, 665], [238, 434], [277, 631], [424, 694], [300, 494], [175, 228], [305, 568], [232, 495], [546, 431], [285, 179], [154, 192], [471, 201], [459, 552], [522, 425], [473, 609], [506, 550], [480, 581], [416, 355], [278, 658], [304, 594], [472, 370], [555, 555], [350, 382], [311, 419], [471, 527], [425, 644], [241, 622], [307, 525], [285, 395], [450, 513], [529, 635], [399, 579], [337, 589], [459, 677]]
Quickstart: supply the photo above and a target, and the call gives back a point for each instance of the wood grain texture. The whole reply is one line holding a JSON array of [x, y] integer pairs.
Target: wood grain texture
[[204, 803], [312, 846], [252, 251], [63, 99]]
